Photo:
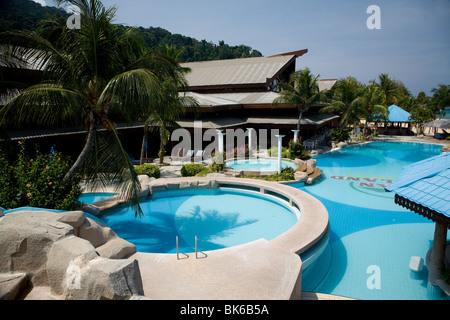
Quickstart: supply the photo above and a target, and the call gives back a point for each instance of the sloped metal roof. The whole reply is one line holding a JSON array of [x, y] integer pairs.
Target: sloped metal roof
[[426, 183], [235, 71]]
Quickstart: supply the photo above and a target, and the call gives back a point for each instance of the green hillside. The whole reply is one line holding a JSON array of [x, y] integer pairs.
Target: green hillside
[[26, 14]]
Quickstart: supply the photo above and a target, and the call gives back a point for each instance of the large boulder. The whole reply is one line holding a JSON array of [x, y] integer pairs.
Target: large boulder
[[25, 239], [95, 233], [49, 254], [12, 285], [107, 279], [61, 258]]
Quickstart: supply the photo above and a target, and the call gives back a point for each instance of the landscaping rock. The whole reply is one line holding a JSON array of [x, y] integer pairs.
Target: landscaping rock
[[61, 259], [73, 218], [49, 256], [311, 163], [300, 176], [117, 248], [25, 239], [103, 278], [91, 209], [95, 233], [145, 182], [12, 285], [341, 145]]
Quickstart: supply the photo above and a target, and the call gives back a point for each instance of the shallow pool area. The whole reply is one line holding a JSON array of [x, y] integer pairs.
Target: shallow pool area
[[92, 197], [258, 164], [372, 239], [219, 218]]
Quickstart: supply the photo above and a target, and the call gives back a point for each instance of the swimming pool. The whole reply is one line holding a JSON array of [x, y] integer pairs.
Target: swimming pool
[[368, 230], [220, 218], [259, 164]]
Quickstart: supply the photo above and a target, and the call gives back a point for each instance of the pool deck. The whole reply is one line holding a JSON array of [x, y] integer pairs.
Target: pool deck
[[259, 270]]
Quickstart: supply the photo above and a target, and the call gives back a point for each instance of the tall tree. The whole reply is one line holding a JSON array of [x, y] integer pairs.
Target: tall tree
[[95, 77], [441, 98], [394, 90], [302, 91], [372, 104], [345, 102]]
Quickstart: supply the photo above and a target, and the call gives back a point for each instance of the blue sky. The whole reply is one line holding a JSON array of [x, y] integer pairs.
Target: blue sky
[[413, 44]]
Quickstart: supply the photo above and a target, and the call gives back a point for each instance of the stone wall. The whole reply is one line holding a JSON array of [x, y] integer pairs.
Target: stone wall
[[74, 256]]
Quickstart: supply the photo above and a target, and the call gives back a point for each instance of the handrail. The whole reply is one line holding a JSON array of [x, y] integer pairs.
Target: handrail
[[187, 256], [178, 255], [196, 251]]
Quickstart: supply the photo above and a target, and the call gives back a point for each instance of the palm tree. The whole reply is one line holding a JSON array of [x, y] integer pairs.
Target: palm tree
[[94, 76], [345, 102], [394, 91], [171, 103], [163, 114], [372, 104], [302, 91], [441, 98]]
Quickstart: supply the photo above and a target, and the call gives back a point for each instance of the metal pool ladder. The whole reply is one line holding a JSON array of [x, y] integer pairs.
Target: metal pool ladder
[[186, 255]]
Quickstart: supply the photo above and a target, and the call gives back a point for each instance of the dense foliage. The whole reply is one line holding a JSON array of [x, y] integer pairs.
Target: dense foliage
[[37, 181], [296, 150], [340, 134], [149, 169], [191, 169], [26, 14]]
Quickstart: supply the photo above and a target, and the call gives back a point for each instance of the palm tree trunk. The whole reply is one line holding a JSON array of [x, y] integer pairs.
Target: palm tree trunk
[[144, 140], [299, 120], [90, 141]]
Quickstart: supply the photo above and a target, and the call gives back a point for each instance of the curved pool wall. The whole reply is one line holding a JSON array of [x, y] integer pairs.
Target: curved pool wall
[[262, 166], [312, 223]]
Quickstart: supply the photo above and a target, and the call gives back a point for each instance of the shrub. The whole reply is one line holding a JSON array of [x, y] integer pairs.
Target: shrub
[[273, 152], [38, 182], [191, 169], [287, 174], [204, 172], [339, 134], [298, 150], [149, 169], [218, 162]]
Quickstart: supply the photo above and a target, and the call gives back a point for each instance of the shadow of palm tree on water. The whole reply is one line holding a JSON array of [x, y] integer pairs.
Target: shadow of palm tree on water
[[210, 226]]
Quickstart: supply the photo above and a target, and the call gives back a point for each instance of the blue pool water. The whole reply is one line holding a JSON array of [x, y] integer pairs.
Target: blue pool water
[[219, 218], [92, 197], [368, 230], [259, 164]]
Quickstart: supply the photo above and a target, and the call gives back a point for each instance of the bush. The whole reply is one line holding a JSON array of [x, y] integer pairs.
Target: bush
[[273, 152], [149, 169], [191, 169], [339, 134], [204, 172], [38, 182], [287, 174], [298, 151], [218, 162]]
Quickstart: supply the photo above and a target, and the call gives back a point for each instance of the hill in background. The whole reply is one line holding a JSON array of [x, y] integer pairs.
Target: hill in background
[[26, 14]]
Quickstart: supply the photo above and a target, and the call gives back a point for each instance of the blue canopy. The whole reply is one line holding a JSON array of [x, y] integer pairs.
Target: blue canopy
[[426, 183], [397, 114]]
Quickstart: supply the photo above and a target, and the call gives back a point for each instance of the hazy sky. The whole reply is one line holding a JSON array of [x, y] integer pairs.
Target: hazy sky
[[413, 44]]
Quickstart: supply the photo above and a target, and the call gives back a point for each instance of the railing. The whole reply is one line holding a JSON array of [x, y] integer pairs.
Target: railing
[[186, 255]]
